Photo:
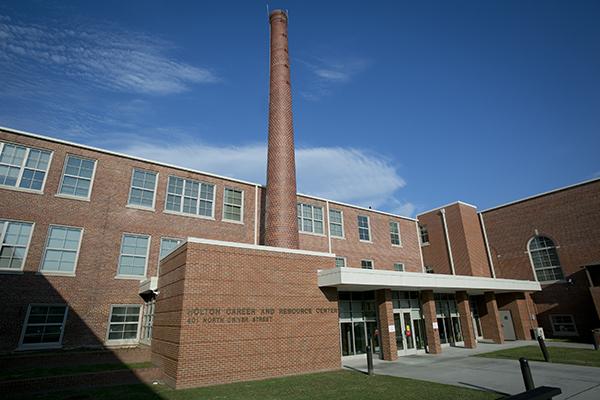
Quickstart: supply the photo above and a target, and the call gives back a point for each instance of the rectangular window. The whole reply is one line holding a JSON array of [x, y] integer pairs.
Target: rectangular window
[[424, 234], [366, 264], [190, 197], [123, 323], [62, 249], [336, 223], [563, 325], [44, 325], [395, 233], [233, 204], [77, 176], [143, 188], [134, 255], [310, 218], [23, 167], [167, 245], [399, 267], [364, 229], [340, 262], [15, 237], [147, 321]]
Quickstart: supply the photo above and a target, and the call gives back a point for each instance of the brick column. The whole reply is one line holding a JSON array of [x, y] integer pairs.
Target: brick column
[[490, 321], [429, 314], [385, 311], [466, 322], [516, 303]]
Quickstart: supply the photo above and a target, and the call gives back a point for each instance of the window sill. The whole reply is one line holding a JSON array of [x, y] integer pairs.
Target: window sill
[[181, 214], [38, 346], [365, 241], [18, 189], [135, 207], [231, 221], [67, 196], [115, 343], [312, 234], [424, 244], [56, 273], [399, 246], [339, 237], [130, 277], [12, 271]]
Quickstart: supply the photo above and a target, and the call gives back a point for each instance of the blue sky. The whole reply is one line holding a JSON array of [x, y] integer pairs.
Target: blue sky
[[402, 106]]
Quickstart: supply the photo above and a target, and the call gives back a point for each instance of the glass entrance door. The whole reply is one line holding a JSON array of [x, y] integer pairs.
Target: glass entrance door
[[405, 335]]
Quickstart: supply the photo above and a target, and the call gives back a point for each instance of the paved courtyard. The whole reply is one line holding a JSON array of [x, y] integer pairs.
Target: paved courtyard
[[455, 367]]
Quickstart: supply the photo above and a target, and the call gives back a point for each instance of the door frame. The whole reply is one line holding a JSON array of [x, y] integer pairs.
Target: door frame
[[405, 351], [512, 324]]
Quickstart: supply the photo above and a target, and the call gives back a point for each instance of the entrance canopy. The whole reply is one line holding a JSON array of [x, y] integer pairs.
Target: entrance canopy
[[357, 279]]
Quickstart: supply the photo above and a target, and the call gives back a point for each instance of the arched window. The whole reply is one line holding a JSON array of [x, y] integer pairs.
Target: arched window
[[545, 259]]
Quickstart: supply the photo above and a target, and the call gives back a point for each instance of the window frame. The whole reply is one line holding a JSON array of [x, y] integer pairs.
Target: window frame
[[92, 178], [45, 249], [30, 346], [22, 168], [368, 228], [341, 258], [403, 267], [135, 277], [421, 229], [140, 207], [241, 221], [312, 218], [393, 233], [2, 235], [368, 260], [341, 224], [559, 333], [120, 342], [195, 215], [146, 323], [533, 268]]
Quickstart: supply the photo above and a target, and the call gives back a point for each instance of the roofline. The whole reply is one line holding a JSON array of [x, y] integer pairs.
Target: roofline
[[114, 153], [541, 194], [447, 205]]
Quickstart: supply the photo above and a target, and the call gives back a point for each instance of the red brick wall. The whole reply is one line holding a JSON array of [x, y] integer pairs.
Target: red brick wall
[[435, 254], [196, 350]]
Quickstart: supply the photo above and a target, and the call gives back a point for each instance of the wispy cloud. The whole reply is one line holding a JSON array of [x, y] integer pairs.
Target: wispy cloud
[[325, 75], [103, 55], [342, 174]]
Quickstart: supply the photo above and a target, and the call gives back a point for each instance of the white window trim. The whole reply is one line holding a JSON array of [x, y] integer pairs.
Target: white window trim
[[183, 214], [59, 273], [370, 231], [421, 242], [343, 237], [142, 325], [62, 177], [30, 346], [27, 148], [131, 188], [121, 342], [343, 258], [233, 221], [135, 277], [399, 263], [301, 227], [370, 260], [399, 234], [2, 233], [160, 245], [528, 251], [554, 332]]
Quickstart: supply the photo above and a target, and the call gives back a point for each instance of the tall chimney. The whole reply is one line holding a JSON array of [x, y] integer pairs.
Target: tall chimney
[[281, 224]]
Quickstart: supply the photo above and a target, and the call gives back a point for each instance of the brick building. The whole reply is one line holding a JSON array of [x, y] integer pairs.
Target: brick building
[[228, 280]]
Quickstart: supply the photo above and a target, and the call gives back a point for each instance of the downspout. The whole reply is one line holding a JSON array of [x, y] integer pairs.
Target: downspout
[[487, 246], [443, 211], [256, 215], [420, 247], [328, 230]]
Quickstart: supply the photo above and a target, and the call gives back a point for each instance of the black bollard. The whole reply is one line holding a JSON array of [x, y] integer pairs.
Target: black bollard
[[369, 360], [526, 372], [544, 348], [596, 336]]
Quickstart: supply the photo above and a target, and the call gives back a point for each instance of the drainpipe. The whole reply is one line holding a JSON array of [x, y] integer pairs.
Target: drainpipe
[[256, 214], [487, 246], [328, 231], [420, 247], [443, 211]]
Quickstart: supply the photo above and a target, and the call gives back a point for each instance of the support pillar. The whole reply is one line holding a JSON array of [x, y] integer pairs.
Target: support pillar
[[385, 310], [466, 322], [490, 321], [517, 304], [429, 315]]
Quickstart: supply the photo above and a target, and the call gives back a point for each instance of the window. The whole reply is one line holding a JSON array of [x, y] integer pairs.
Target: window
[[428, 270], [366, 264], [14, 242], [399, 267], [340, 262], [167, 245], [310, 218], [424, 234], [123, 323], [233, 204], [134, 255], [23, 167], [364, 233], [62, 248], [77, 176], [190, 197], [545, 259], [143, 188], [336, 223], [44, 325], [147, 321], [395, 233], [563, 325]]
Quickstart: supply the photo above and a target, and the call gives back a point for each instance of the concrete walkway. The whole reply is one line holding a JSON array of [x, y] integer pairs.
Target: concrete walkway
[[455, 367]]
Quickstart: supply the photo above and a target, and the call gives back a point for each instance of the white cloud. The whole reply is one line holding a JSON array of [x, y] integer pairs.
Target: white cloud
[[105, 56], [324, 75], [342, 174]]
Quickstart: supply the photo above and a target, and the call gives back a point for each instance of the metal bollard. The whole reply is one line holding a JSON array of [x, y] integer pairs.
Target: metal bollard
[[596, 336], [526, 372], [544, 348], [369, 360]]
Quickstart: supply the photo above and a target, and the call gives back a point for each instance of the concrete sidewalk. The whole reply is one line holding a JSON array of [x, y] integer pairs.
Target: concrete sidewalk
[[455, 367]]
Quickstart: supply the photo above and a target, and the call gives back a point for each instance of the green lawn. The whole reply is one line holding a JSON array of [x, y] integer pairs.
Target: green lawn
[[344, 385], [9, 374], [562, 355]]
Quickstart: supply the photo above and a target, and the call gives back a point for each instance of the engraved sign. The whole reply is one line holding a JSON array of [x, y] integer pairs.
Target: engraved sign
[[249, 315]]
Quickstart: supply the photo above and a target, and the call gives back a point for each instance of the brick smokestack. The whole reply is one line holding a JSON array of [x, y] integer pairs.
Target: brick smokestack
[[281, 224]]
